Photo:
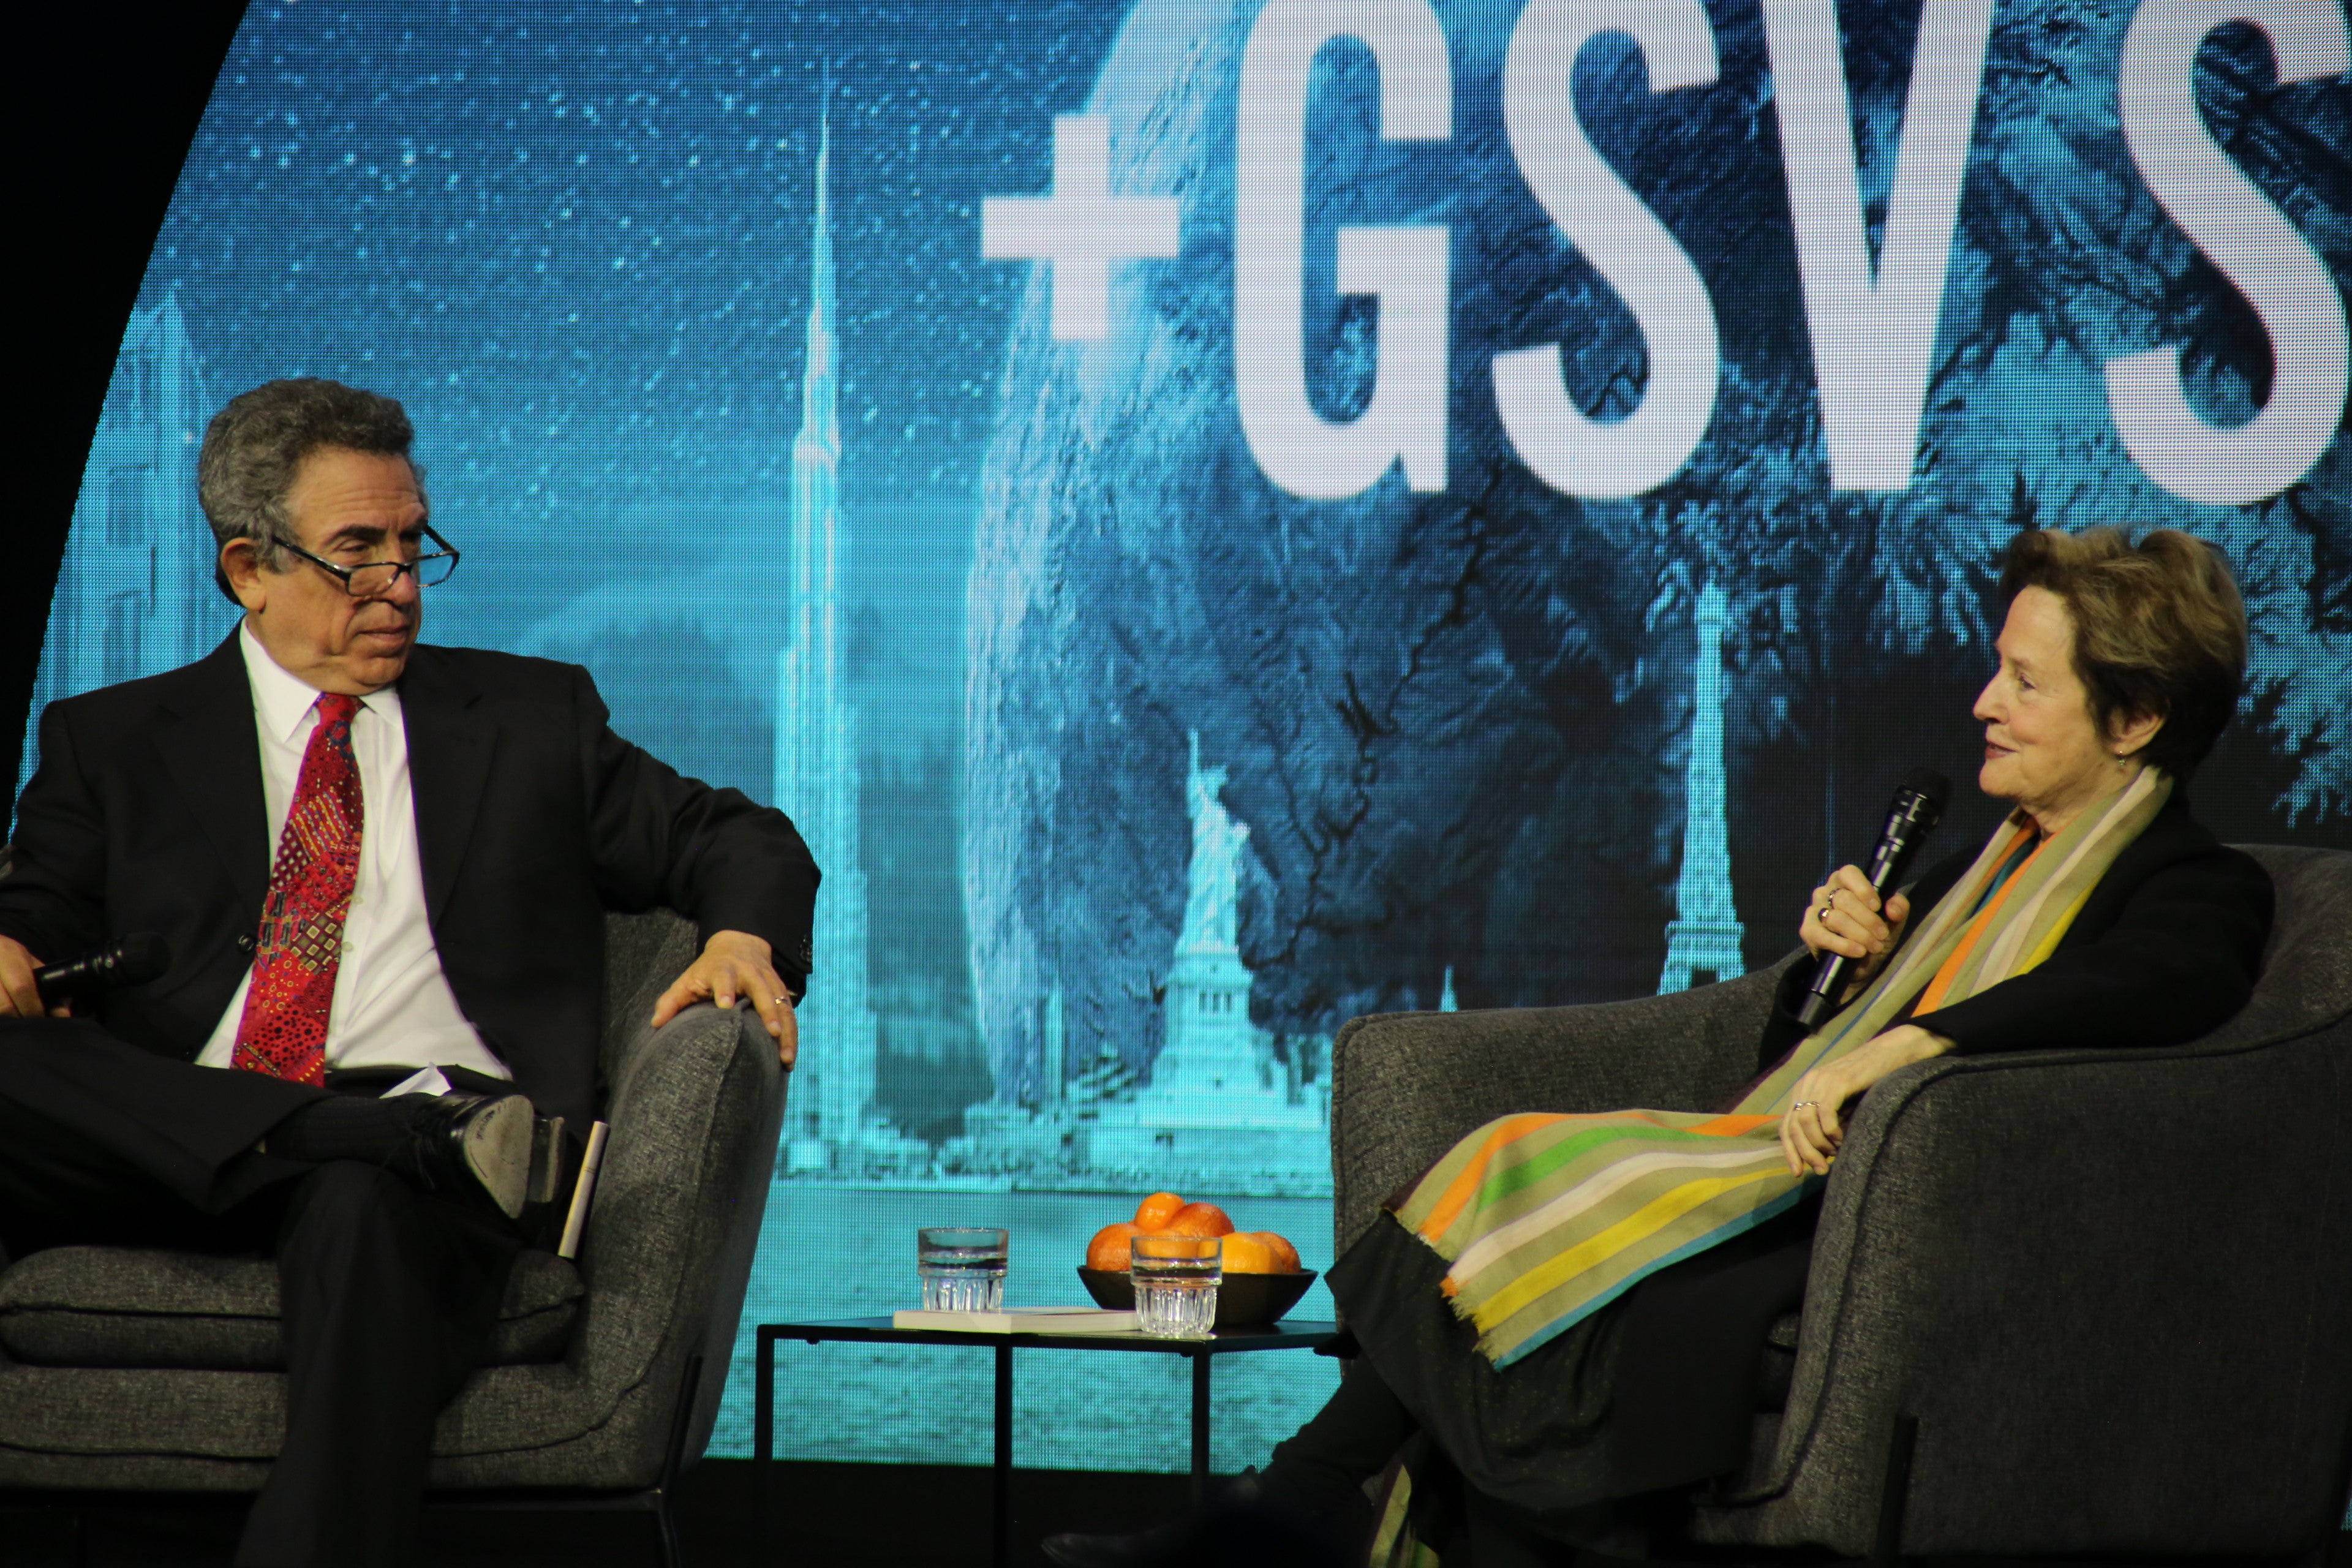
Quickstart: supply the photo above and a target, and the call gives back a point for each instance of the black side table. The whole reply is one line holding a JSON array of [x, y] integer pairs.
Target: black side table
[[1310, 1336]]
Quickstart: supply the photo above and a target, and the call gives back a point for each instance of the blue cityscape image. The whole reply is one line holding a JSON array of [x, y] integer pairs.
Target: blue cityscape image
[[1520, 600]]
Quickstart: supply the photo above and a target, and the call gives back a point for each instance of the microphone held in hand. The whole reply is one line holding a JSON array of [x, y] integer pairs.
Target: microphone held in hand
[[1917, 806], [138, 958]]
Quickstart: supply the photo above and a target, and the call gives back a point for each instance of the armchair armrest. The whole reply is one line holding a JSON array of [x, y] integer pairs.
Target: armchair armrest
[[1405, 1086], [695, 1108], [2123, 1271]]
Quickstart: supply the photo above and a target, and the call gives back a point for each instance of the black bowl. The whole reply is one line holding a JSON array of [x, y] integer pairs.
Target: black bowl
[[1243, 1301]]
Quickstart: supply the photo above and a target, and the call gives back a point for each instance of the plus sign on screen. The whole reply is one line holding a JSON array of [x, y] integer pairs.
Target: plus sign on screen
[[1080, 230]]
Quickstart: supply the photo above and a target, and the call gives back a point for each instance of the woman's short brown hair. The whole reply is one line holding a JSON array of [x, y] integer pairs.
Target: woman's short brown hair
[[2159, 630]]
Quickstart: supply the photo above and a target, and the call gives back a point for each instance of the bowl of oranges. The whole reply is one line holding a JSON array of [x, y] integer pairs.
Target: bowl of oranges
[[1262, 1280]]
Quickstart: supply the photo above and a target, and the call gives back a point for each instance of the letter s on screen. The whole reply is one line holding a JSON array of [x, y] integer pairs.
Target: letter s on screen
[[2248, 240], [1626, 244]]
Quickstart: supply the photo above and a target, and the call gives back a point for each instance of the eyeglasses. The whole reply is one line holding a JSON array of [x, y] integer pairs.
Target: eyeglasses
[[374, 579]]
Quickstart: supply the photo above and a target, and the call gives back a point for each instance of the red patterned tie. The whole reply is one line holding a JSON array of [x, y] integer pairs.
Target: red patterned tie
[[284, 1030]]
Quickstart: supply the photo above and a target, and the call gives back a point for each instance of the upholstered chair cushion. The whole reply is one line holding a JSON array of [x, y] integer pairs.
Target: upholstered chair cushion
[[119, 1307]]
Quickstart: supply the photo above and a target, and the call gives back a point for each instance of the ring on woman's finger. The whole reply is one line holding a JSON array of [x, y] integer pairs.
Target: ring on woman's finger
[[1803, 1103], [1822, 914]]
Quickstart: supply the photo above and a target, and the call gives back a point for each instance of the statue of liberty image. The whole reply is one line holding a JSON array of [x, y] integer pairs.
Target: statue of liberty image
[[1216, 1108], [1212, 900]]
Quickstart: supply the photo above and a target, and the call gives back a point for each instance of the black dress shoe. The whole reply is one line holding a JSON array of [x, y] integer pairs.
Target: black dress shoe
[[1243, 1524], [1162, 1546], [467, 1145]]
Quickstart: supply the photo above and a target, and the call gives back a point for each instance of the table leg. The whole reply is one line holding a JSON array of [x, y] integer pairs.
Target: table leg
[[1002, 1478], [1200, 1360], [763, 1433], [763, 1402]]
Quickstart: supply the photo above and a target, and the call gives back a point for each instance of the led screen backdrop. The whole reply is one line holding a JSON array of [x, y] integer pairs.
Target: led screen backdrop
[[1226, 517]]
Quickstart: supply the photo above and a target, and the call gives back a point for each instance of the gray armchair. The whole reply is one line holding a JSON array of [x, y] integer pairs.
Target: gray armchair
[[128, 1371], [2064, 1300]]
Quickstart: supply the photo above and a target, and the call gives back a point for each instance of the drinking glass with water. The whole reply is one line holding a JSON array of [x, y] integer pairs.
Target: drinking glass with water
[[1176, 1280], [962, 1267]]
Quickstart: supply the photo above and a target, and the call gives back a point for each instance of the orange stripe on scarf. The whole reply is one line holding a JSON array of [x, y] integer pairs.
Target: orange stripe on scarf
[[1933, 996], [1732, 1126], [1465, 1186]]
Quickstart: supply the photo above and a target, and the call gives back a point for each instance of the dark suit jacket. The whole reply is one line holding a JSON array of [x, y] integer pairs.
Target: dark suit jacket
[[532, 819], [2166, 949]]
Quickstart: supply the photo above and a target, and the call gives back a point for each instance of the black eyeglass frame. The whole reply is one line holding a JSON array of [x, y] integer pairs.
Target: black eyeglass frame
[[447, 551]]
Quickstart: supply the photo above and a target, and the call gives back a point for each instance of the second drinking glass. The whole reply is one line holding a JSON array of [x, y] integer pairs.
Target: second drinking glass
[[1176, 1280]]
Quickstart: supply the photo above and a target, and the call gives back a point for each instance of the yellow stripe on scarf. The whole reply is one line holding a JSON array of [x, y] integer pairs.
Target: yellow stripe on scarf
[[1658, 1213]]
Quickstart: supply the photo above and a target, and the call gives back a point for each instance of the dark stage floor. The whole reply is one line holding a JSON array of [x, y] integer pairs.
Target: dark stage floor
[[814, 1516]]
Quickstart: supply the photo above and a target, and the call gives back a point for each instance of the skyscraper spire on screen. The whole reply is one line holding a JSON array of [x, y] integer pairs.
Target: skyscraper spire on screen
[[816, 777]]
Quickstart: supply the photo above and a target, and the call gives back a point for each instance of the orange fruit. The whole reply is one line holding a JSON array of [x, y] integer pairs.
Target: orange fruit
[[1246, 1254], [1111, 1249], [1200, 1219], [1285, 1257], [1154, 1211]]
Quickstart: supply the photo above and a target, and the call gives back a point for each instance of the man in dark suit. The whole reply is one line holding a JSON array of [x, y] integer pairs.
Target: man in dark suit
[[381, 871]]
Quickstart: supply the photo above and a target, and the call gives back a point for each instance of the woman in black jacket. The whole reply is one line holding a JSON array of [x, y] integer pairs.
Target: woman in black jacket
[[2100, 914]]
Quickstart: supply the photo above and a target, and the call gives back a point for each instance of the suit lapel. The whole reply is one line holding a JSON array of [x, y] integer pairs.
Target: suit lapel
[[213, 751], [449, 754]]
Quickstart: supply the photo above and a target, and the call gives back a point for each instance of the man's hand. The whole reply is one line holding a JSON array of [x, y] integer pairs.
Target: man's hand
[[1812, 1130], [20, 996], [737, 963]]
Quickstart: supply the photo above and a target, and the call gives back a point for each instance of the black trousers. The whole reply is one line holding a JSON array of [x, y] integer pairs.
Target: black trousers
[[1590, 1441], [388, 1295]]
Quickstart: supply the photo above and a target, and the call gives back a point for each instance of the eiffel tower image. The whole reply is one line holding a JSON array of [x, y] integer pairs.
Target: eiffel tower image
[[1703, 939]]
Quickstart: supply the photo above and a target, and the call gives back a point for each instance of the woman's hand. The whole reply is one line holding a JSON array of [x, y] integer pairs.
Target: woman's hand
[[1812, 1130], [1845, 918]]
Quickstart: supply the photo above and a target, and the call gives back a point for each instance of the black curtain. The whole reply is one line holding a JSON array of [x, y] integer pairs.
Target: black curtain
[[106, 100]]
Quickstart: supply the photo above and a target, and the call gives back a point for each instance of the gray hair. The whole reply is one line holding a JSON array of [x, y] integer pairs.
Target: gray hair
[[255, 446]]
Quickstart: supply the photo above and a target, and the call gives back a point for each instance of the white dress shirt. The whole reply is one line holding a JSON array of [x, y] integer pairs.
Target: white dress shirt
[[392, 1004]]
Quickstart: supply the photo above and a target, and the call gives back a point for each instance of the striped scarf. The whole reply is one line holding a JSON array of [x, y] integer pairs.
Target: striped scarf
[[1545, 1219]]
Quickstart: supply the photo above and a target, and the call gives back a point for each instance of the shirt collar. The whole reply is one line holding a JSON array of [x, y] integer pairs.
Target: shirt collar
[[282, 700]]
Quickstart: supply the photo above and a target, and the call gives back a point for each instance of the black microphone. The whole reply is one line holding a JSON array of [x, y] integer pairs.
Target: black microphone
[[135, 960], [1917, 806]]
